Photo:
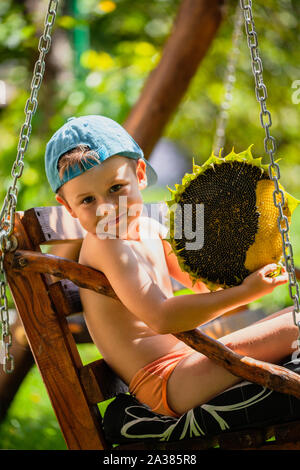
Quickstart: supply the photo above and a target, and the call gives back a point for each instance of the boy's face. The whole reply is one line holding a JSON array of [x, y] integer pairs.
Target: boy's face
[[107, 198]]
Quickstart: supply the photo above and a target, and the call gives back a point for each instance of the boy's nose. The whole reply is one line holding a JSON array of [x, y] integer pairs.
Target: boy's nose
[[105, 207]]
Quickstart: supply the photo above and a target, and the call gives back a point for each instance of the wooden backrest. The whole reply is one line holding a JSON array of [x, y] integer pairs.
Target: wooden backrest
[[43, 307]]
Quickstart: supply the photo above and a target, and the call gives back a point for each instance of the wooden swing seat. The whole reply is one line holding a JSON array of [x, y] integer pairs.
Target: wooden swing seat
[[75, 389]]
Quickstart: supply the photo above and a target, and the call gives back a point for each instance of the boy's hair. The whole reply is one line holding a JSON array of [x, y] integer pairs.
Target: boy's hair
[[71, 158], [78, 156]]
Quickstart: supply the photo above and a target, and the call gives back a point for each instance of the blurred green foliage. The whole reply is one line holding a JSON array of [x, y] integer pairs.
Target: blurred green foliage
[[31, 422], [125, 39]]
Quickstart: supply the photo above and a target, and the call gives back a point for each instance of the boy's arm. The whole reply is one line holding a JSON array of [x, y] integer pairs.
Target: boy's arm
[[176, 272], [144, 298]]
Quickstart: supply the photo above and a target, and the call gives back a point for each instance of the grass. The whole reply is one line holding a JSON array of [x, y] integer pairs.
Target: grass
[[31, 423]]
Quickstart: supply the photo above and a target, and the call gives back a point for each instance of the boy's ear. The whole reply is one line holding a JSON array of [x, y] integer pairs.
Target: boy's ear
[[141, 174], [64, 203]]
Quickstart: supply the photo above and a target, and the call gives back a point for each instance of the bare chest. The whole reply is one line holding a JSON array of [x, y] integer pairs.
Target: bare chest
[[148, 251], [150, 256]]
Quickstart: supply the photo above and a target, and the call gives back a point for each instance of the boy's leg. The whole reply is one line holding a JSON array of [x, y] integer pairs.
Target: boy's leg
[[197, 379]]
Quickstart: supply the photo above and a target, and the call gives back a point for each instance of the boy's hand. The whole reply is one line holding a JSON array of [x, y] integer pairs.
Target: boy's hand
[[261, 282]]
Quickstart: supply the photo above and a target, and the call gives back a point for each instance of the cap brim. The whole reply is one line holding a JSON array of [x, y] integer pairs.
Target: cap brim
[[151, 174]]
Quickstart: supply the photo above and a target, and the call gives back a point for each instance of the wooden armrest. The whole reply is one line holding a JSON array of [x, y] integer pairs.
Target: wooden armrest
[[272, 376], [81, 275], [269, 375]]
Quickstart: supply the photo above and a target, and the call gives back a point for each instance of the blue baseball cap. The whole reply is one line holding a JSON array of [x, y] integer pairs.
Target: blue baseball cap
[[102, 135]]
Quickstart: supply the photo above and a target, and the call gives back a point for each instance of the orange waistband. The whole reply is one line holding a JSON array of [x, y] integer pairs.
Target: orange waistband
[[149, 384]]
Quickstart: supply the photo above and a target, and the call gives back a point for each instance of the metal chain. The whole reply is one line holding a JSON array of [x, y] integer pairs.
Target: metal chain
[[7, 214], [270, 148], [219, 140]]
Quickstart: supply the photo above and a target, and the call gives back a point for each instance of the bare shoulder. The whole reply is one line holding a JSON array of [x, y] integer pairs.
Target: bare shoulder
[[97, 252], [152, 228], [126, 265]]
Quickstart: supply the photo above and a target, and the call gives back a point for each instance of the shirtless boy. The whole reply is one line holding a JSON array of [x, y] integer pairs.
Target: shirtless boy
[[93, 166]]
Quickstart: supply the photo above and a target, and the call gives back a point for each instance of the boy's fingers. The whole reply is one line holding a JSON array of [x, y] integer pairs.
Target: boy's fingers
[[281, 279], [269, 268], [269, 271]]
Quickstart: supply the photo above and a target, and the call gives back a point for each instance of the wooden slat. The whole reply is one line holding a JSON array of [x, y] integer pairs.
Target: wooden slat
[[46, 225], [284, 436], [54, 224], [243, 439], [185, 444], [67, 295], [99, 372], [249, 439], [287, 432], [283, 446]]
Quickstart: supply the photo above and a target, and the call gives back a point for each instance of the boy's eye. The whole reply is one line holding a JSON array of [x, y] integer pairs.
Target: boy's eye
[[115, 188], [87, 200]]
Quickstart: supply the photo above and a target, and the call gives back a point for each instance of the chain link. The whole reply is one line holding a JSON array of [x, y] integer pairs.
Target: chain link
[[219, 139], [270, 148], [7, 214]]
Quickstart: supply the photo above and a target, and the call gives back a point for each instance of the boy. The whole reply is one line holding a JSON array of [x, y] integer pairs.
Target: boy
[[97, 172]]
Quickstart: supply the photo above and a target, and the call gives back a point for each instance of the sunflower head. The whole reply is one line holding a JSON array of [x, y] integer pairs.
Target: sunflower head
[[227, 205]]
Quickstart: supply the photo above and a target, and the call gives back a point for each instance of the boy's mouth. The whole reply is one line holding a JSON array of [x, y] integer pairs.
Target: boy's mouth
[[117, 219]]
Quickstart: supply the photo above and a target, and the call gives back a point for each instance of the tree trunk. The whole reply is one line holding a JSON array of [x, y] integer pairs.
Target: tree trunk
[[23, 360], [193, 32]]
